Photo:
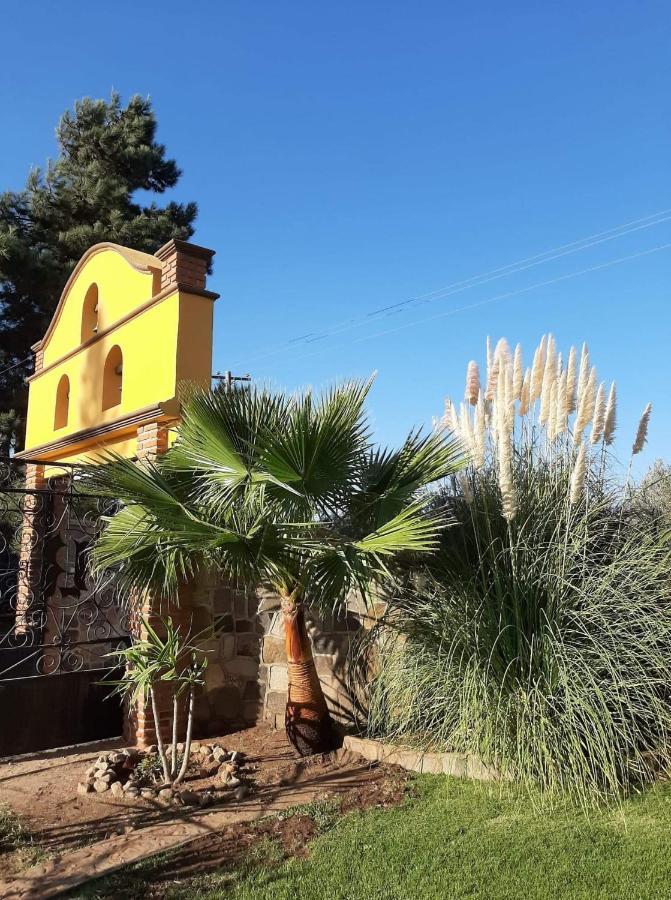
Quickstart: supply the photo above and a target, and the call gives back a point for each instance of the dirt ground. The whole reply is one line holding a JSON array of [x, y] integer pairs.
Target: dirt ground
[[42, 790]]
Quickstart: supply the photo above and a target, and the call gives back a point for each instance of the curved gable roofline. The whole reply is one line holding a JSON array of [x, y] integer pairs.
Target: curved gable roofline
[[143, 262]]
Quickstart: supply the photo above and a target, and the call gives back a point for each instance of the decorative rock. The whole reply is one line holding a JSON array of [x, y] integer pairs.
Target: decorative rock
[[84, 788], [133, 792], [116, 758], [232, 781], [241, 792], [219, 754], [147, 794], [206, 749], [107, 777], [191, 798], [91, 770], [196, 747], [165, 794], [117, 789], [181, 747], [100, 786], [227, 769]]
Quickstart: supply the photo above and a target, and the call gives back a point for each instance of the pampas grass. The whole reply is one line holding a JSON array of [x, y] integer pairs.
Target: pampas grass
[[610, 423], [599, 418], [539, 636], [472, 383], [642, 431]]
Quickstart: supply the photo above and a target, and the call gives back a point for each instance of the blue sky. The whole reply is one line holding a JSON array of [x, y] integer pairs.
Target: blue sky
[[346, 157]]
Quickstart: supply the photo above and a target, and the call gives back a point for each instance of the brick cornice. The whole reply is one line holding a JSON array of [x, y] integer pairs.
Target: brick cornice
[[175, 245]]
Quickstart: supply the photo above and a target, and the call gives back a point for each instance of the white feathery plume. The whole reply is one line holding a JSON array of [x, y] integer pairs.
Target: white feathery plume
[[450, 420], [504, 449], [571, 381], [503, 352], [480, 433], [518, 373], [490, 356], [492, 377], [611, 416], [510, 398], [583, 374], [599, 420], [552, 410], [586, 400], [562, 412], [578, 476], [472, 383], [537, 370], [642, 432], [549, 376], [526, 392]]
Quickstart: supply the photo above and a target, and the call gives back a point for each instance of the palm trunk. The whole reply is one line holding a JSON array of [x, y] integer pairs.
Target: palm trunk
[[310, 728]]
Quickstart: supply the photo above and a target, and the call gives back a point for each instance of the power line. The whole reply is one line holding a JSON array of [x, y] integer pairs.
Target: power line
[[16, 364], [496, 298], [474, 281]]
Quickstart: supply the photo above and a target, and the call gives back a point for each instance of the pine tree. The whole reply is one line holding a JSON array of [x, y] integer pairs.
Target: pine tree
[[87, 195]]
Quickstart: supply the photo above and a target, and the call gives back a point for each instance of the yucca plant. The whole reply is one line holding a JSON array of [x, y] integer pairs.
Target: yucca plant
[[539, 636], [162, 657], [286, 492]]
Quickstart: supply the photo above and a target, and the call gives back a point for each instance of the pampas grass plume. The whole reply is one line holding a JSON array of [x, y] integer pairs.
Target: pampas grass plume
[[599, 421], [526, 393], [518, 373], [472, 383], [571, 381], [611, 416], [578, 476], [642, 432]]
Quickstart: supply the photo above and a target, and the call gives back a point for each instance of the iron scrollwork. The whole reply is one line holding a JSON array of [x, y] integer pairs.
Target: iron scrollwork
[[55, 617]]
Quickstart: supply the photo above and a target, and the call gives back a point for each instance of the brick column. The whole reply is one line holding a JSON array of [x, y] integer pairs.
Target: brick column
[[184, 265], [152, 440], [31, 551]]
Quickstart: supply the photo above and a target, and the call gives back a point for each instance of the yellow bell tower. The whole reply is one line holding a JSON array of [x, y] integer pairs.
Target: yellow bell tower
[[129, 329]]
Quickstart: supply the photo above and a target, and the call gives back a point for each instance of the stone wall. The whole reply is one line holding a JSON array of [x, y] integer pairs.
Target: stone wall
[[232, 693], [246, 675], [331, 638]]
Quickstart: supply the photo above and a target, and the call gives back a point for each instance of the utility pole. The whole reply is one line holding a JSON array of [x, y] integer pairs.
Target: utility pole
[[228, 378]]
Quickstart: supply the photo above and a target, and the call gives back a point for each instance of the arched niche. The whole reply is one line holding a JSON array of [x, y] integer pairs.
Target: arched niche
[[62, 403], [113, 378], [90, 313]]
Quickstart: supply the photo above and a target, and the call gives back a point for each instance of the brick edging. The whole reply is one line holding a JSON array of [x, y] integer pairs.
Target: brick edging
[[459, 765]]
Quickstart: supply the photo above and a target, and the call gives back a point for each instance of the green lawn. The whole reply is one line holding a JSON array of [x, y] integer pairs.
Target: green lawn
[[457, 839]]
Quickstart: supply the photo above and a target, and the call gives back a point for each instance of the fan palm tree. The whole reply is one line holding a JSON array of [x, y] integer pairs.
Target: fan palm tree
[[286, 492]]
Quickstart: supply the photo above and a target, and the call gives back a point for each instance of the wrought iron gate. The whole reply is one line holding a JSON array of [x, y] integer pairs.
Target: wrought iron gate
[[58, 625]]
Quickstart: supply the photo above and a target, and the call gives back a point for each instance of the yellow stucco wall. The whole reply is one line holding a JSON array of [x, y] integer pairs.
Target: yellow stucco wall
[[121, 289], [163, 345]]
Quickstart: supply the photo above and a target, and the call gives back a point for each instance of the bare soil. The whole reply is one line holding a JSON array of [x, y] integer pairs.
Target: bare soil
[[42, 790]]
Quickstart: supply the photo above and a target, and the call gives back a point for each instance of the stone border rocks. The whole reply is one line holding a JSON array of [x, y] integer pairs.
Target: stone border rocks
[[459, 765]]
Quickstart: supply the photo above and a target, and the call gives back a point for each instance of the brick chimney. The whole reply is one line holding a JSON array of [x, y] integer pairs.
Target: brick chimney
[[184, 265]]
